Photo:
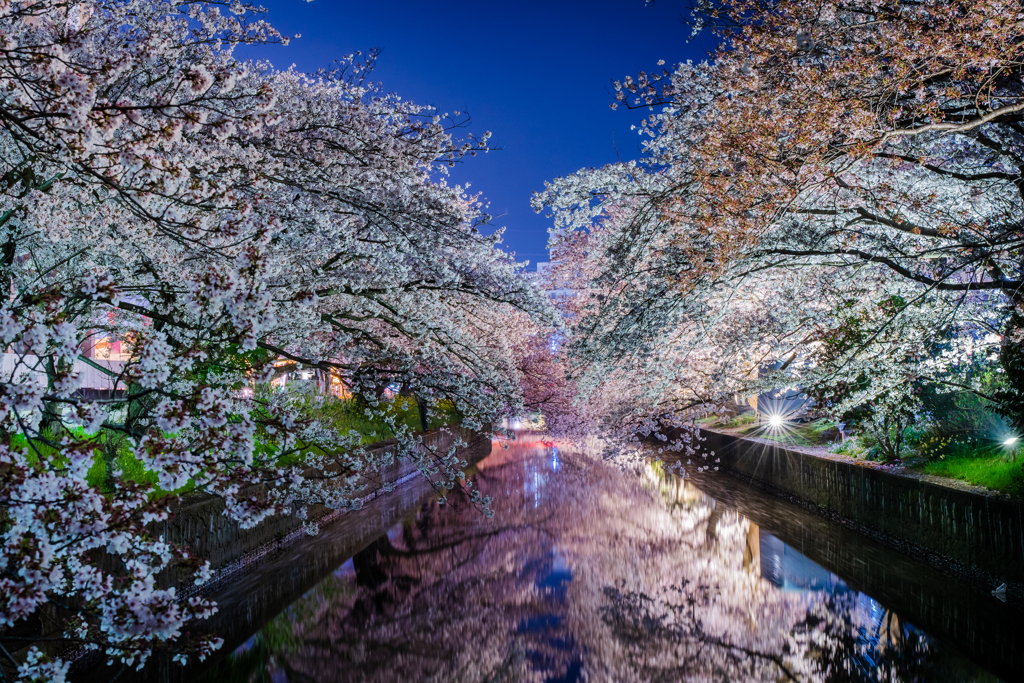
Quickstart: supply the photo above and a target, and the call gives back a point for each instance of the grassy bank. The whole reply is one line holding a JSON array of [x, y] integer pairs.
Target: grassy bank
[[977, 462], [993, 473], [801, 434], [988, 465], [345, 416]]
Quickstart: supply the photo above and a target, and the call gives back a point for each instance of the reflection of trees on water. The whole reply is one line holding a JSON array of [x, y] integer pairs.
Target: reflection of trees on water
[[582, 572], [449, 595], [845, 636], [883, 648], [838, 652], [674, 624]]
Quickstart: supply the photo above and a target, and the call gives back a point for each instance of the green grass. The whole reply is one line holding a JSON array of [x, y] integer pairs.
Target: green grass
[[727, 422], [851, 447], [988, 466], [349, 415], [740, 420], [816, 433], [131, 468], [128, 465]]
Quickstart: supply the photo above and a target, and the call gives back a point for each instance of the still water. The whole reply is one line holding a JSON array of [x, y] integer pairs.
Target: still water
[[589, 571]]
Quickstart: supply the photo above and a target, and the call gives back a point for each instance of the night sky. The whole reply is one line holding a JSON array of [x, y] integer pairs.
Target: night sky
[[537, 74]]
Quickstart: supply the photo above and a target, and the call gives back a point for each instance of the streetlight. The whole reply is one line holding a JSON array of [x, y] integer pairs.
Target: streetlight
[[1011, 444]]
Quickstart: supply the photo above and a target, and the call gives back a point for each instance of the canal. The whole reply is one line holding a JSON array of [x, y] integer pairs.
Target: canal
[[590, 571]]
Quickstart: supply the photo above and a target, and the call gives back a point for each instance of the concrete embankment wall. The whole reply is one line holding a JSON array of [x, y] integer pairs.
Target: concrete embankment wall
[[246, 603], [199, 522], [984, 534], [983, 628]]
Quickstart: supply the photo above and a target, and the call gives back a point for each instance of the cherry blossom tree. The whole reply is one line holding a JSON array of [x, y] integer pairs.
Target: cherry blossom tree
[[837, 193], [216, 216]]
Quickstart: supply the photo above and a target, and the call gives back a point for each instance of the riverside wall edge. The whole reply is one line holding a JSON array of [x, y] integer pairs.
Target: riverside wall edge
[[200, 525], [984, 534]]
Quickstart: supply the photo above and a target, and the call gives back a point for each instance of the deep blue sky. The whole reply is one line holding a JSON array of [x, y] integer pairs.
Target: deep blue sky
[[536, 74]]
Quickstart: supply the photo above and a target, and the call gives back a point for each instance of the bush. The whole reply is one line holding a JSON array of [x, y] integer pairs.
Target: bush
[[960, 414]]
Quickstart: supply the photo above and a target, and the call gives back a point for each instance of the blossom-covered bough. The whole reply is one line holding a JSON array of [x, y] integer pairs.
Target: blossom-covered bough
[[837, 195], [217, 217]]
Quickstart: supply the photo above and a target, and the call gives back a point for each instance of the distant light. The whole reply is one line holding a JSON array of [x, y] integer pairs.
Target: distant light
[[775, 421], [1009, 442]]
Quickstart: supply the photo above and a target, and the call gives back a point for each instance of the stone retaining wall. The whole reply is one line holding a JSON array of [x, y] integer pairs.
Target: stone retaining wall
[[246, 602], [981, 627], [984, 533], [199, 522]]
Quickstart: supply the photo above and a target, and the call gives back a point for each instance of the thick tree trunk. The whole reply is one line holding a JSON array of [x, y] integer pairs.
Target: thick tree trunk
[[422, 407]]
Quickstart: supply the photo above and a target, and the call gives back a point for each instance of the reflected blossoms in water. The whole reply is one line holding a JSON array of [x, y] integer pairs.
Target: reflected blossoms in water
[[585, 572]]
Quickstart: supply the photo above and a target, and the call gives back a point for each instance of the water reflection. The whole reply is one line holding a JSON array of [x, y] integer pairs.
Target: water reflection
[[586, 572], [859, 639]]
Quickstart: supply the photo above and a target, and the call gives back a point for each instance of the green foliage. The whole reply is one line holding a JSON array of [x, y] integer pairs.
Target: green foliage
[[977, 456], [931, 446], [344, 415], [126, 463], [960, 414]]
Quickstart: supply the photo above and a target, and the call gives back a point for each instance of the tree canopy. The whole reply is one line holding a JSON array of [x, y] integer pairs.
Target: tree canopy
[[217, 216], [836, 194]]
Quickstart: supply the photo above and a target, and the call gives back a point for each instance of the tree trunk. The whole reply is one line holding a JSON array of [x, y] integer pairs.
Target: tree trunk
[[422, 408], [52, 420]]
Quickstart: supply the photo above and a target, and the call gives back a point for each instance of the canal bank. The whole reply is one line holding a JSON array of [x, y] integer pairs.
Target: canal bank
[[248, 600], [815, 551], [976, 536], [199, 522]]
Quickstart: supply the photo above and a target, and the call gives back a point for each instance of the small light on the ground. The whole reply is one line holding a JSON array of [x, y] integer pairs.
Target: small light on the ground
[[1011, 441], [775, 421]]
